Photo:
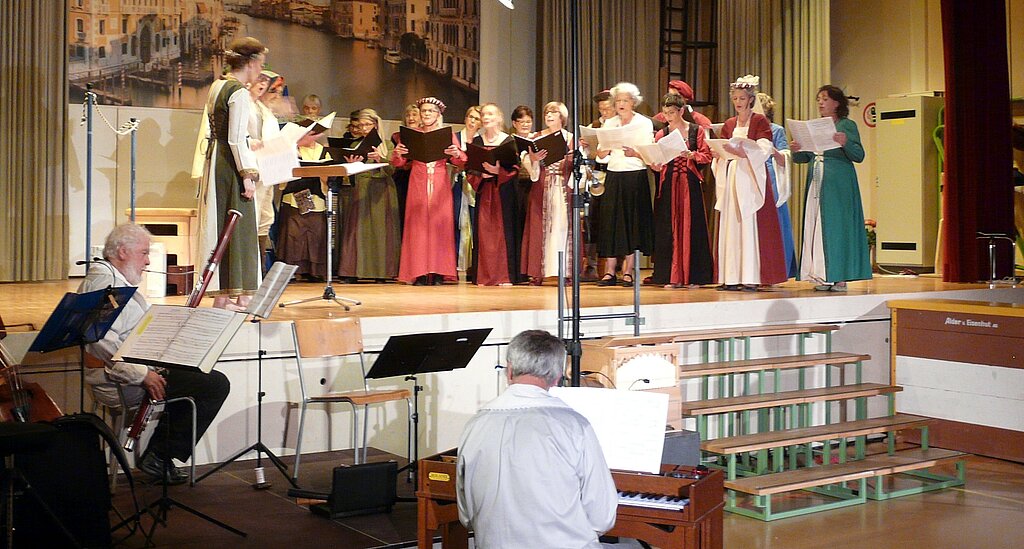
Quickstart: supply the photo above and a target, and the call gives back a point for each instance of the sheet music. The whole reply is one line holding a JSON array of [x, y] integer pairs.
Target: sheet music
[[815, 135], [665, 150], [278, 157], [269, 293], [717, 128], [630, 135], [155, 332], [630, 425], [718, 146], [171, 335], [198, 336], [359, 167]]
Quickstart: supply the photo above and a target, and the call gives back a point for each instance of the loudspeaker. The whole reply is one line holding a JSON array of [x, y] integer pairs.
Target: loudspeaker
[[681, 448], [362, 489], [69, 475]]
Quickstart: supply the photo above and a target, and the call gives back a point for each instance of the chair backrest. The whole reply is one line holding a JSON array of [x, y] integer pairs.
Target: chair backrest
[[327, 337]]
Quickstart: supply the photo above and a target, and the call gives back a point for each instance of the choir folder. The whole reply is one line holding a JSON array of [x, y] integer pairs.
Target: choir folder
[[554, 143], [504, 154], [426, 146]]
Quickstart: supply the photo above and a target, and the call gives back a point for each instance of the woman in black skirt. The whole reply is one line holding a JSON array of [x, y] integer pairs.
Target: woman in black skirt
[[625, 217]]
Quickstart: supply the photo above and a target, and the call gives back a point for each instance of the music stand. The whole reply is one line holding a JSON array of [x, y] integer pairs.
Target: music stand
[[80, 319], [324, 173], [413, 354]]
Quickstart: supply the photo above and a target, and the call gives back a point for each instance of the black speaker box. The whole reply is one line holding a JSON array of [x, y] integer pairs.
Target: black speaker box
[[362, 489], [69, 474]]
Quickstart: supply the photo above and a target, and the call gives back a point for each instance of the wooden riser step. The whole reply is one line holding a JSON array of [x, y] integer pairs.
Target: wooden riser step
[[773, 363], [871, 466], [711, 335], [804, 435], [785, 398]]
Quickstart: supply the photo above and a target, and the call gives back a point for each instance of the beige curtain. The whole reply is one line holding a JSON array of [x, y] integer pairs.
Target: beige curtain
[[786, 43], [618, 42], [33, 105]]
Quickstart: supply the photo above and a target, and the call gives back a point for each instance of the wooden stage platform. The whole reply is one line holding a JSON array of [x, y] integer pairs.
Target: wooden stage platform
[[449, 399], [32, 302]]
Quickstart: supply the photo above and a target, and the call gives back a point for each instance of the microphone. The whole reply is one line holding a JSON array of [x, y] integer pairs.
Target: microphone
[[638, 380], [167, 272]]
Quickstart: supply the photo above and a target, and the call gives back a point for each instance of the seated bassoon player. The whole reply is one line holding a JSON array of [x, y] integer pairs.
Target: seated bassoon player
[[530, 471], [125, 256]]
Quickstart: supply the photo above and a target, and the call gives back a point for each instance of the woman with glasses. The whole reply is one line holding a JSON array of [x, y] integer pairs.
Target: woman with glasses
[[428, 236], [369, 229]]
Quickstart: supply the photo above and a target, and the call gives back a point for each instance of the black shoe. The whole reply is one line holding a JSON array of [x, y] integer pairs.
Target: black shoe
[[420, 281], [153, 466], [608, 280], [627, 283]]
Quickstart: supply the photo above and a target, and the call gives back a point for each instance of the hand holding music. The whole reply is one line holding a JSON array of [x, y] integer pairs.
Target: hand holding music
[[794, 146], [840, 138], [631, 152], [353, 158], [155, 385], [377, 154], [492, 169], [401, 150], [537, 156], [453, 151], [735, 149]]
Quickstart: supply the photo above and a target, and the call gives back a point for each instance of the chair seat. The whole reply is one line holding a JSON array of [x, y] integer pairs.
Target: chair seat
[[364, 397]]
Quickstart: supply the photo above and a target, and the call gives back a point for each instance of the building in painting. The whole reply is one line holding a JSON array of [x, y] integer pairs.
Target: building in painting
[[453, 44], [355, 19], [405, 27], [110, 40]]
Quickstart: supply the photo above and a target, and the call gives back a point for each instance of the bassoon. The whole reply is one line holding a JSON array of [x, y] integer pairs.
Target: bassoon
[[146, 410]]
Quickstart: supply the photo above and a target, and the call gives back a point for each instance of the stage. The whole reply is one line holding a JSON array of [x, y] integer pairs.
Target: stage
[[449, 399]]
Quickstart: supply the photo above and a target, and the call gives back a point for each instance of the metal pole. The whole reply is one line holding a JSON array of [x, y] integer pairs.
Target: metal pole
[[134, 144], [575, 349], [89, 101]]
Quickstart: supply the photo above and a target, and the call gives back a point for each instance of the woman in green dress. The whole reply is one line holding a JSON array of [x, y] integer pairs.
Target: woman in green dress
[[835, 247], [230, 176], [370, 229]]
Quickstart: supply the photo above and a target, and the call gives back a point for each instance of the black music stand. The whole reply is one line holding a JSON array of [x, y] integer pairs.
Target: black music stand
[[276, 280], [160, 507], [413, 354], [80, 319]]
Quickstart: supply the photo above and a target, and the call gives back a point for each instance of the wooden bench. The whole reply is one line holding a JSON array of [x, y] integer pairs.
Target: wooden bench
[[771, 363], [831, 479], [785, 398], [793, 437]]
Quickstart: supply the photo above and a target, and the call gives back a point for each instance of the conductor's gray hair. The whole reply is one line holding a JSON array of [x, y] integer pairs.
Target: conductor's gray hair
[[537, 353], [126, 235], [629, 89]]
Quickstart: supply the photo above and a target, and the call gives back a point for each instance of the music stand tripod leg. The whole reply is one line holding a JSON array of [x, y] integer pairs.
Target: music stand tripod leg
[[257, 446], [328, 294], [159, 508]]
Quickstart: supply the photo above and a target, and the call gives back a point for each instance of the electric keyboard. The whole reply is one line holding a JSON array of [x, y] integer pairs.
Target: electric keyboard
[[652, 501]]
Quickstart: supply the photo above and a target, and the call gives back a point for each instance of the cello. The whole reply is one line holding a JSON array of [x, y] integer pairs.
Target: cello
[[22, 401]]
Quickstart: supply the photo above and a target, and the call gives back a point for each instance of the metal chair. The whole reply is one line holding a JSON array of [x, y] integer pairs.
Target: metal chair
[[121, 413], [340, 337]]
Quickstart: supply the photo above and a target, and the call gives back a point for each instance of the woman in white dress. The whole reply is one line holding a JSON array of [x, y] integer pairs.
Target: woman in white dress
[[547, 212], [750, 252]]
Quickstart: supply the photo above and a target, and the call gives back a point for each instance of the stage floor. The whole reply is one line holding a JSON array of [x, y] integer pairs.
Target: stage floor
[[32, 302]]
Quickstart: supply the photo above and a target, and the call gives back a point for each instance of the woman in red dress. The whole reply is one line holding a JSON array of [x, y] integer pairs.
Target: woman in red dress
[[428, 239], [496, 257]]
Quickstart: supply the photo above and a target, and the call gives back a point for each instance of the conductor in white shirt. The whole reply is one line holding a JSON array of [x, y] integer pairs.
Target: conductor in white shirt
[[530, 471]]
